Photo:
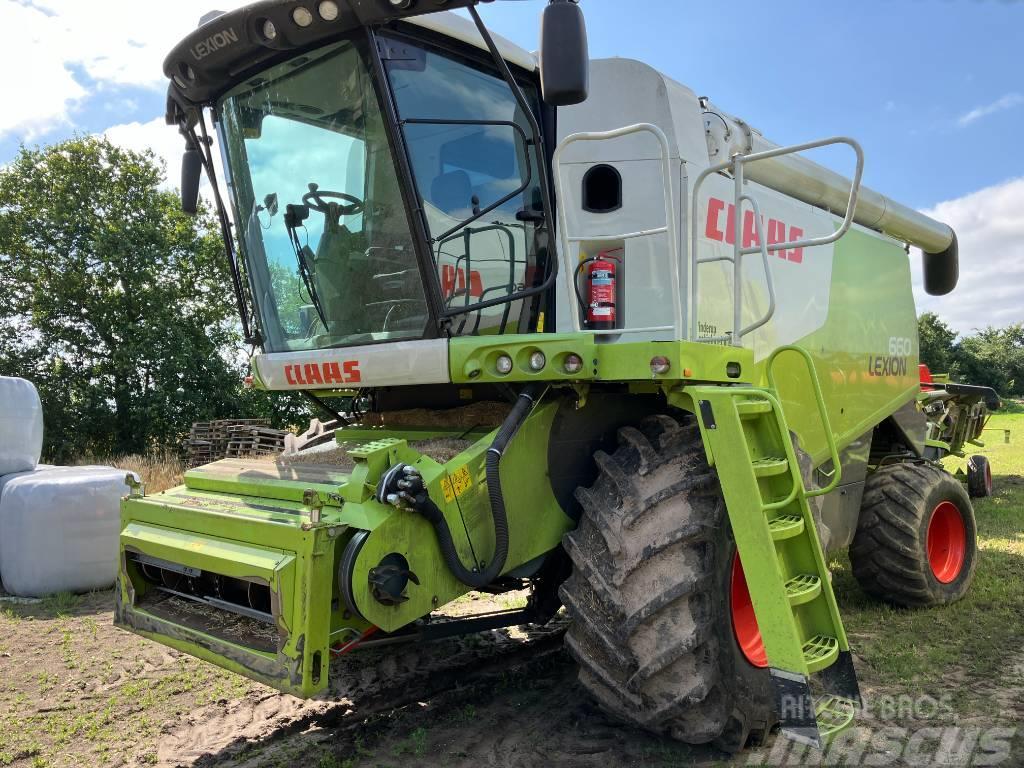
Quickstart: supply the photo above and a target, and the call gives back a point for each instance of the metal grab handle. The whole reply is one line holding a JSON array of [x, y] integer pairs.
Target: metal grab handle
[[736, 164], [669, 229], [759, 224], [819, 399]]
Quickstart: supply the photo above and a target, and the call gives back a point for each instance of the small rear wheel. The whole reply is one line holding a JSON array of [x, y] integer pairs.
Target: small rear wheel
[[979, 477], [916, 542]]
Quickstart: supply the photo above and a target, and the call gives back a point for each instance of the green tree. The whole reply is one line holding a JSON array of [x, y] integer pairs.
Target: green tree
[[938, 344], [115, 303], [994, 357]]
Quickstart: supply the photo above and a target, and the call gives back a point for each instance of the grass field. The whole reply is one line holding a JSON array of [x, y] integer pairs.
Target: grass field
[[76, 692]]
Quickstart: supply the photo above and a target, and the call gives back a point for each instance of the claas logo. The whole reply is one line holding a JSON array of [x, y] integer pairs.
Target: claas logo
[[453, 282], [323, 373], [775, 231]]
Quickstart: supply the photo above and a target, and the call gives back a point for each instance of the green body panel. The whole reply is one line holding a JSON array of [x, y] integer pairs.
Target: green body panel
[[472, 360], [870, 303], [536, 522], [282, 549]]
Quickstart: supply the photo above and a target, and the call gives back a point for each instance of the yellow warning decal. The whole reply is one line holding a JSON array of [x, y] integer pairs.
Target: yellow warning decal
[[456, 485], [461, 481], [447, 490]]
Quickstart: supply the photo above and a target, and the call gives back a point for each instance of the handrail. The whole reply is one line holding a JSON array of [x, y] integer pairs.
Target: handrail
[[736, 165], [819, 399], [759, 224], [669, 229]]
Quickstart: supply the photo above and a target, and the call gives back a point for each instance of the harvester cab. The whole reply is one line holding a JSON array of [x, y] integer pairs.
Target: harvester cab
[[591, 335]]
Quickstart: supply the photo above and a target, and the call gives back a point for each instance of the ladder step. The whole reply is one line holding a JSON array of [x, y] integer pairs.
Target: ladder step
[[803, 588], [834, 715], [749, 409], [786, 527], [771, 466], [820, 651]]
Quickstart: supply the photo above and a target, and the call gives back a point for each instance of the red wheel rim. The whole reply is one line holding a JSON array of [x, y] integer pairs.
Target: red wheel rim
[[947, 542], [988, 479], [744, 622]]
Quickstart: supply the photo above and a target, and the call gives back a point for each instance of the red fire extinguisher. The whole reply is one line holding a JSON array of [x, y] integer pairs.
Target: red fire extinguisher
[[602, 279]]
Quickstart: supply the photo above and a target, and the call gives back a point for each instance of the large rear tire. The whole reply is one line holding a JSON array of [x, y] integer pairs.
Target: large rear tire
[[651, 594], [916, 542]]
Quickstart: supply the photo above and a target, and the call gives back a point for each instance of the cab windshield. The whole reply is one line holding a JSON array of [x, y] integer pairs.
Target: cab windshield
[[322, 225]]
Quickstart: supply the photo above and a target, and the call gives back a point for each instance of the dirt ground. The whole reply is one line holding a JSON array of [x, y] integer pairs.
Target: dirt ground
[[942, 687], [76, 691]]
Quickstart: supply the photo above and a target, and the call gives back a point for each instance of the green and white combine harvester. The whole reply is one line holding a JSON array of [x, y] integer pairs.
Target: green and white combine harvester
[[591, 335]]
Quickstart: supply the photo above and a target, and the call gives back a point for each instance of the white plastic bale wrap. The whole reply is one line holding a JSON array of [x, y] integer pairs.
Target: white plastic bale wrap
[[59, 530], [21, 426]]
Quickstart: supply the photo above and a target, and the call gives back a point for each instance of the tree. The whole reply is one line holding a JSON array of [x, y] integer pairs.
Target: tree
[[994, 357], [938, 344], [115, 303]]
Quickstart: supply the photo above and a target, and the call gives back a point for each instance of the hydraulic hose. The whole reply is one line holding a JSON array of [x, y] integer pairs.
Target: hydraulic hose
[[422, 503]]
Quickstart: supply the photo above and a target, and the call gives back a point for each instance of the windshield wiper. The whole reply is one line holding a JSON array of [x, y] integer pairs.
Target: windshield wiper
[[293, 218]]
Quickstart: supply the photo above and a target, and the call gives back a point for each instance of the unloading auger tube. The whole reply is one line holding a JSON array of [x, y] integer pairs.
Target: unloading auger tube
[[797, 177], [402, 486]]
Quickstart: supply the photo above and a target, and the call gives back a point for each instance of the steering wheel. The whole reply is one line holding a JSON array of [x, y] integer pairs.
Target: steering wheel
[[316, 199]]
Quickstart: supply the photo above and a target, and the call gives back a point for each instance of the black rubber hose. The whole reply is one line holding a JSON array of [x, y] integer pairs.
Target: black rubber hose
[[479, 579]]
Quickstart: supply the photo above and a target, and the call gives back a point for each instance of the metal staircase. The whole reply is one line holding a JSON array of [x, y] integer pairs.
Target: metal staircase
[[749, 442]]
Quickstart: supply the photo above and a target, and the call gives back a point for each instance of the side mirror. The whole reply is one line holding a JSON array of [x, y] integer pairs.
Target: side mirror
[[564, 55], [191, 175]]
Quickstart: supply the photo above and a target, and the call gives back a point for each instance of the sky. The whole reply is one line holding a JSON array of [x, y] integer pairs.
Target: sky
[[933, 89]]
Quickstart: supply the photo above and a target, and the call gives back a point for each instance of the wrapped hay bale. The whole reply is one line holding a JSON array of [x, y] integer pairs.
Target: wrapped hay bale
[[21, 426], [59, 530]]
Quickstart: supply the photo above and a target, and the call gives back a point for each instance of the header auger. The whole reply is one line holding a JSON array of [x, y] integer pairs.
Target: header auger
[[589, 333]]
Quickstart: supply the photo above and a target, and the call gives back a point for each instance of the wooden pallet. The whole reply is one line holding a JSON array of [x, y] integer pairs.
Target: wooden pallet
[[211, 441]]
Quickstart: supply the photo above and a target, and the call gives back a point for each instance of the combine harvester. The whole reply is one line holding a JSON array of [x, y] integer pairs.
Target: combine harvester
[[602, 338]]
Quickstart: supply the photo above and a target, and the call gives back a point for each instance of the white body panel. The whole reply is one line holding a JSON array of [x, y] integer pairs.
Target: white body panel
[[625, 92], [464, 30], [392, 364]]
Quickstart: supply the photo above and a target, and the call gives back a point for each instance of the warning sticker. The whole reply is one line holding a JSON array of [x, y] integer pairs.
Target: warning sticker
[[447, 490], [461, 481], [456, 485]]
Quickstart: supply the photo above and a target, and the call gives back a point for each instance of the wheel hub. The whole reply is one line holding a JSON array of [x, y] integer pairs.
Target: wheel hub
[[946, 542], [744, 622]]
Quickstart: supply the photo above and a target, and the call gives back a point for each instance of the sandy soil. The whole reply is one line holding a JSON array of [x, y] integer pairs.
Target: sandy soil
[[78, 692]]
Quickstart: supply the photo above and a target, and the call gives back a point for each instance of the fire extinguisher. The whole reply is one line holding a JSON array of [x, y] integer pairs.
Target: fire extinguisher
[[602, 284]]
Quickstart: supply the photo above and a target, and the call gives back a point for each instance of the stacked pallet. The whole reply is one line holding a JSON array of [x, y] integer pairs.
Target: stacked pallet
[[214, 440], [255, 441]]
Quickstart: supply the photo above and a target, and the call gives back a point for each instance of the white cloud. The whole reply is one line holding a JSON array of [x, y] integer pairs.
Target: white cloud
[[166, 143], [114, 42], [1008, 101], [990, 228]]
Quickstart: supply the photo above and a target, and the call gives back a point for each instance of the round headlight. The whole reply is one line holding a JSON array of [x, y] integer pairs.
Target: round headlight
[[573, 363], [269, 30], [302, 16], [660, 365], [329, 10], [538, 361], [504, 365]]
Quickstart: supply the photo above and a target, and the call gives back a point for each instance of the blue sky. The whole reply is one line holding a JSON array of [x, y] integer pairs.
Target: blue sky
[[933, 89], [896, 75]]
